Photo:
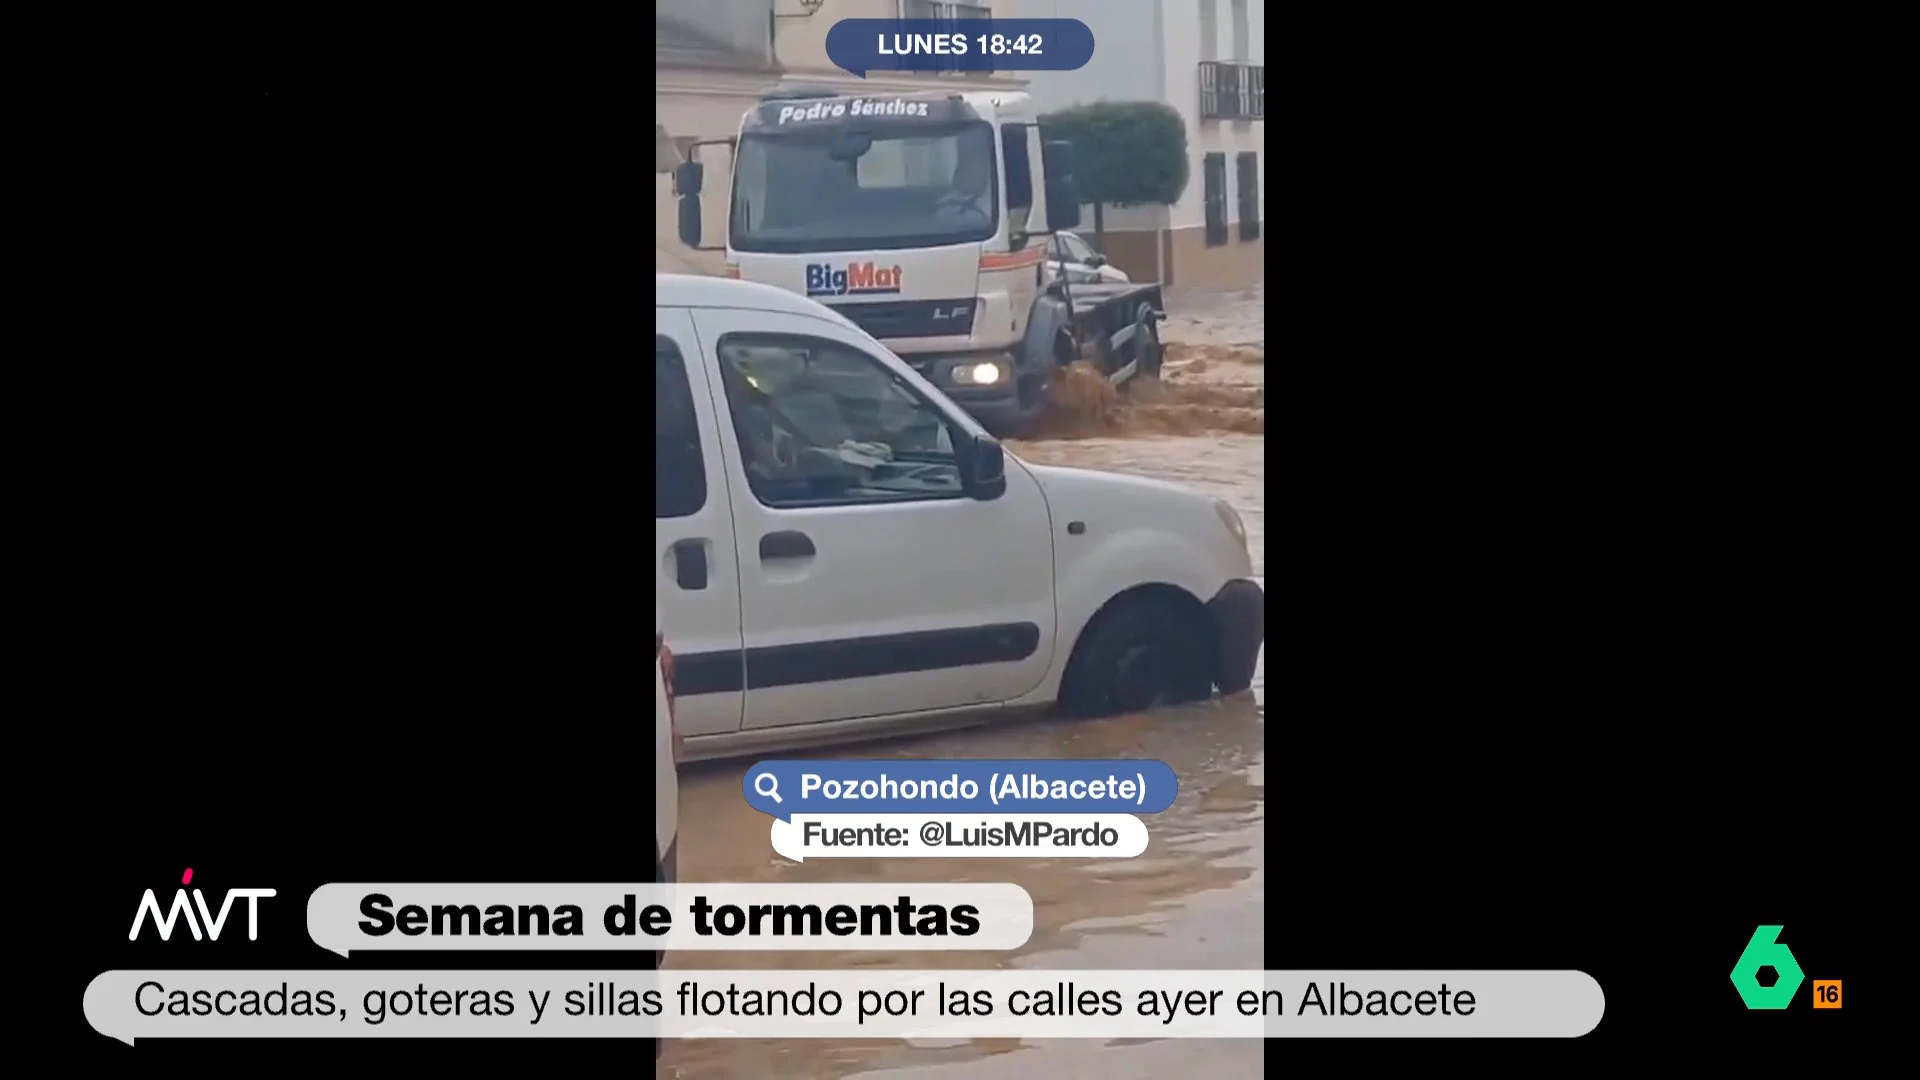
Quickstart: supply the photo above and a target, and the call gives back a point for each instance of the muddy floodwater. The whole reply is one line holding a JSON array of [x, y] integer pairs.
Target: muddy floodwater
[[1194, 900]]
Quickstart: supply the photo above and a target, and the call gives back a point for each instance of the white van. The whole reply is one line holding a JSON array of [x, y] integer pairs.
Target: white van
[[840, 552]]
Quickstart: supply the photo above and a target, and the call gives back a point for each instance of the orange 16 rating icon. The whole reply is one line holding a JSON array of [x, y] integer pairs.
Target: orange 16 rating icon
[[1826, 993]]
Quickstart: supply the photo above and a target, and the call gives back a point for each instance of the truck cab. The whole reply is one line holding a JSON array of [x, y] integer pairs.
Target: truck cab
[[842, 552]]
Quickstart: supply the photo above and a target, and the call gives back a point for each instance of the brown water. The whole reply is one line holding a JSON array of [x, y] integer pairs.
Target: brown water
[[1194, 900], [1203, 424]]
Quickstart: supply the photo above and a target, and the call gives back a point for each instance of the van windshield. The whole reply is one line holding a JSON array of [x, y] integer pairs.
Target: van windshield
[[919, 187]]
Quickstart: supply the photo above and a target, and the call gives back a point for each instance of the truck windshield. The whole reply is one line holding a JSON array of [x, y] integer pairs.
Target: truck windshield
[[919, 187]]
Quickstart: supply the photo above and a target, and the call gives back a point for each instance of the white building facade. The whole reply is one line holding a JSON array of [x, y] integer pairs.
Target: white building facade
[[712, 61], [1207, 59], [801, 43]]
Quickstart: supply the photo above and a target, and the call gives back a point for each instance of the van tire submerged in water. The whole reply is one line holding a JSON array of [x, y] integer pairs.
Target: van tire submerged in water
[[1144, 649]]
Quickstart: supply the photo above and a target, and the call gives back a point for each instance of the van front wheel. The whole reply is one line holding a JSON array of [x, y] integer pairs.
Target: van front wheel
[[1141, 653]]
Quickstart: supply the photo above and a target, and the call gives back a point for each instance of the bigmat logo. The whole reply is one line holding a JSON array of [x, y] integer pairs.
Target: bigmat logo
[[858, 279]]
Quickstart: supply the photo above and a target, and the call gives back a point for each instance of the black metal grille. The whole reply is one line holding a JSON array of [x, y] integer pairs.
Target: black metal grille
[[1230, 91], [912, 318]]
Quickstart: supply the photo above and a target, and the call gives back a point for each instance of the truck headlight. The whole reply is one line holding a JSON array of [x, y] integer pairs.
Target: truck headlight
[[1232, 519], [976, 374]]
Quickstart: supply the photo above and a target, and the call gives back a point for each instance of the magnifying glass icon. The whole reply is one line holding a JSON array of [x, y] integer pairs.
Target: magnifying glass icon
[[768, 785]]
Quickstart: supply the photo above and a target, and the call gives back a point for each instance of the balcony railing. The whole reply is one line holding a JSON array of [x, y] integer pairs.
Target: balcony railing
[[1230, 91]]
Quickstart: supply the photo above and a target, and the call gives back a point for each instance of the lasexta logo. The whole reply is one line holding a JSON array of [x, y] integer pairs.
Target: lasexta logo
[[1765, 950], [150, 904], [855, 279]]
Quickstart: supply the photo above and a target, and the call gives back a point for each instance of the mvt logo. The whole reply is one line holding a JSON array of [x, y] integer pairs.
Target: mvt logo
[[857, 279], [150, 904]]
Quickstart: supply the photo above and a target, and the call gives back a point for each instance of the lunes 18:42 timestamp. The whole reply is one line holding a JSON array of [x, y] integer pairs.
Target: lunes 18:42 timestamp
[[961, 45], [860, 45]]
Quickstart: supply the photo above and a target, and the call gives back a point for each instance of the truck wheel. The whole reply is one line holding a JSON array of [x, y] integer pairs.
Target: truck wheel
[[1032, 398], [1148, 351], [1140, 653]]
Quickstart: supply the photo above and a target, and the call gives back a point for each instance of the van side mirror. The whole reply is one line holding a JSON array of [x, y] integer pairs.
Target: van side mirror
[[687, 178], [690, 220], [983, 469]]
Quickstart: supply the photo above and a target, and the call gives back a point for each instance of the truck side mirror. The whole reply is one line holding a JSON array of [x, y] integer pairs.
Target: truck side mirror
[[1063, 204], [687, 178], [690, 220], [1059, 157], [983, 469], [1063, 191]]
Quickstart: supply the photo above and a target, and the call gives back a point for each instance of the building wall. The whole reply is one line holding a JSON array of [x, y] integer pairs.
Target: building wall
[[1147, 50], [740, 25], [1128, 65], [1185, 50], [801, 45], [1209, 30], [700, 92]]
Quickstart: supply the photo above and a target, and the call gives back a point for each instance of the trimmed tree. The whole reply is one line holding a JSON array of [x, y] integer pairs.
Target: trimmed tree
[[1128, 153]]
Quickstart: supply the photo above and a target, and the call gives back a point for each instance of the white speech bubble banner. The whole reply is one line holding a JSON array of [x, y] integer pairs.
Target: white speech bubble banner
[[686, 917], [133, 1005], [959, 836]]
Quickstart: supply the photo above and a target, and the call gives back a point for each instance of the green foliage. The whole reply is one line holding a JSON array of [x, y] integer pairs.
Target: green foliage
[[1129, 153]]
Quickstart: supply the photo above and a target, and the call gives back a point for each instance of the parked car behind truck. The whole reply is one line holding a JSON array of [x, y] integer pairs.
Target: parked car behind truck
[[1070, 257], [843, 552]]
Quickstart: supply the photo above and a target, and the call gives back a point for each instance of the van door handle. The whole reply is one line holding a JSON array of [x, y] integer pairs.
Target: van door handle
[[786, 545], [690, 564]]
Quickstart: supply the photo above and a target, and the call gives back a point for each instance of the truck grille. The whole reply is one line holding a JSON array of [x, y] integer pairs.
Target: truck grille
[[912, 318]]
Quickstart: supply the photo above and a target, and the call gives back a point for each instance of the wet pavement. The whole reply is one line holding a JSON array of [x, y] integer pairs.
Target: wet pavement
[[1194, 900]]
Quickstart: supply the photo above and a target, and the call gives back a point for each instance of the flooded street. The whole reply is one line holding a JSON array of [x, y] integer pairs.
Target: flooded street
[[1194, 900], [1203, 426]]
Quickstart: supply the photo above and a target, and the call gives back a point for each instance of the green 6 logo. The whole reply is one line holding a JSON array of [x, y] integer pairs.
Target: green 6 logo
[[1765, 950]]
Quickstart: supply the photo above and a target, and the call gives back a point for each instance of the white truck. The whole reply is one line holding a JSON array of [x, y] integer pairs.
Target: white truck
[[925, 218]]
